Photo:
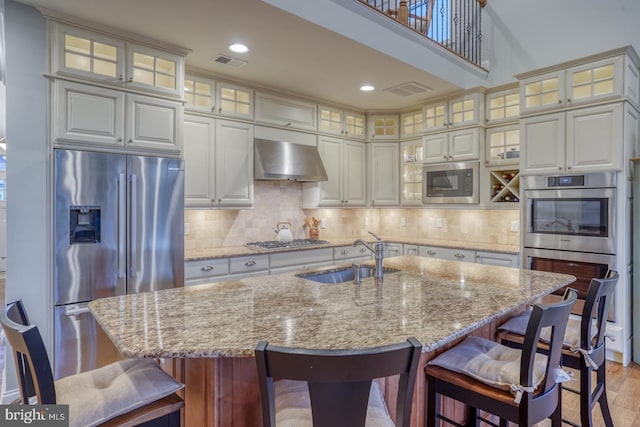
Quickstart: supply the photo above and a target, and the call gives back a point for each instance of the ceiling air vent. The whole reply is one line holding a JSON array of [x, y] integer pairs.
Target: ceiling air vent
[[409, 88], [227, 60]]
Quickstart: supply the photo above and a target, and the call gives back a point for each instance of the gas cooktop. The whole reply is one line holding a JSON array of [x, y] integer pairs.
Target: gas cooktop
[[294, 244]]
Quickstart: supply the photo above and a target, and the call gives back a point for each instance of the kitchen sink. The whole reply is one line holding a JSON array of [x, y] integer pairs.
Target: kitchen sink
[[345, 274]]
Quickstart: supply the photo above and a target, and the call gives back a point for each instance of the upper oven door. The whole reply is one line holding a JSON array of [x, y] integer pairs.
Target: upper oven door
[[571, 219]]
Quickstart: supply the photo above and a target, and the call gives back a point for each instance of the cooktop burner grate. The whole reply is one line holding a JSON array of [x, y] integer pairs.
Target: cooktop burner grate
[[277, 244]]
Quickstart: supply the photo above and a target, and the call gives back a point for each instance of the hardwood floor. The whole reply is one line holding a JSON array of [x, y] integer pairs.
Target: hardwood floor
[[623, 393]]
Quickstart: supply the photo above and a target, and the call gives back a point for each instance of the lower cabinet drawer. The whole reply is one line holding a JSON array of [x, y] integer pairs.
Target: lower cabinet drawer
[[206, 268], [248, 264]]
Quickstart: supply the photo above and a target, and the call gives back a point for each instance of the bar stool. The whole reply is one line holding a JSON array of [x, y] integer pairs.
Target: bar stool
[[125, 393], [334, 388], [583, 347], [517, 385]]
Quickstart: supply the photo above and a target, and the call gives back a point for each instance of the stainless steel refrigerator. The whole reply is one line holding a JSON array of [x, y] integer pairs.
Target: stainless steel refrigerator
[[119, 229]]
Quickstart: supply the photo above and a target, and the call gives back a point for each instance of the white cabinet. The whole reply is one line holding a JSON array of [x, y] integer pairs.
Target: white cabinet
[[234, 101], [90, 115], [392, 249], [95, 56], [384, 126], [344, 162], [412, 157], [464, 110], [586, 81], [287, 112], [411, 123], [453, 254], [218, 158], [205, 271], [498, 258], [502, 145], [410, 250], [383, 173], [502, 106], [199, 94], [457, 145], [248, 266], [343, 254], [586, 139], [339, 122], [283, 262]]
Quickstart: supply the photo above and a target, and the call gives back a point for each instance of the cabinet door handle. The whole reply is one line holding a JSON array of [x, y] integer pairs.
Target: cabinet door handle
[[207, 268], [431, 252], [249, 263], [573, 264], [344, 252], [460, 256], [213, 109], [288, 124], [363, 250]]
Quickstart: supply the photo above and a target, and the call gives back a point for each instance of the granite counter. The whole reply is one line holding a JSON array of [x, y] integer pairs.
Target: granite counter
[[210, 331]]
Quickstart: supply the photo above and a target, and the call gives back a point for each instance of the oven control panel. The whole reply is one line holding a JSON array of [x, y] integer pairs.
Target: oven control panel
[[565, 181]]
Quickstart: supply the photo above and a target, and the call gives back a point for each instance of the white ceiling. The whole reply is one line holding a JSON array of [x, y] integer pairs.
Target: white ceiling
[[287, 53]]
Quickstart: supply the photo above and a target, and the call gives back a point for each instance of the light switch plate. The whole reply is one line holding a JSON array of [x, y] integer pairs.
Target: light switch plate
[[515, 226]]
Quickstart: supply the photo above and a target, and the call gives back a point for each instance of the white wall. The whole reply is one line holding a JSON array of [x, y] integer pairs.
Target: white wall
[[523, 35], [28, 275]]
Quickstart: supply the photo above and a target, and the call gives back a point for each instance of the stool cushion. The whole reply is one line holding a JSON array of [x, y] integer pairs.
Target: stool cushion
[[518, 325], [104, 393], [293, 405], [489, 362]]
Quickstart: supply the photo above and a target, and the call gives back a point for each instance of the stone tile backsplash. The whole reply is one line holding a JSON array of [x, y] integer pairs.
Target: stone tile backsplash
[[277, 201]]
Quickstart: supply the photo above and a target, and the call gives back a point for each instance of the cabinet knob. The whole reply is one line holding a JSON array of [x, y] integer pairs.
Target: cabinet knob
[[130, 80], [219, 200], [249, 263], [344, 252], [431, 252], [120, 78], [559, 168], [559, 101], [130, 140], [346, 132], [568, 99], [569, 167], [213, 109], [288, 124], [363, 250], [119, 139]]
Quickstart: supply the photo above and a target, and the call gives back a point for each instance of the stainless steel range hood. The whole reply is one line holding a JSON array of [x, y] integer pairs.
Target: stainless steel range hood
[[280, 160]]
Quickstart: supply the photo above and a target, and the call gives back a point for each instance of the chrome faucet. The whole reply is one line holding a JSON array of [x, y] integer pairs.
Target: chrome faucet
[[378, 251]]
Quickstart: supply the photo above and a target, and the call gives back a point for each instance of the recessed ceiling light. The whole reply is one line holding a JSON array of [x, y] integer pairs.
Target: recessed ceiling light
[[366, 88], [238, 48]]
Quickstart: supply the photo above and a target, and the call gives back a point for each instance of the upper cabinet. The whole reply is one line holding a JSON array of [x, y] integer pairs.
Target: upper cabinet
[[94, 56], [457, 145], [384, 127], [581, 82], [464, 110], [384, 173], [219, 98], [335, 121], [411, 123], [502, 106], [286, 112], [112, 119]]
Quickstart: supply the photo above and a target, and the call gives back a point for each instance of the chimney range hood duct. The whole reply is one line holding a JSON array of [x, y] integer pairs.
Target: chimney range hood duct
[[280, 160]]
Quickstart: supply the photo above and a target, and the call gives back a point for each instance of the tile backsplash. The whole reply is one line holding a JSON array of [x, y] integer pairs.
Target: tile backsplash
[[281, 201]]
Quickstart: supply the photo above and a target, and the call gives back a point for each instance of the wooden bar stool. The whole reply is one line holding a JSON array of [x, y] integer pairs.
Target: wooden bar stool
[[516, 385], [583, 348], [125, 393], [334, 388]]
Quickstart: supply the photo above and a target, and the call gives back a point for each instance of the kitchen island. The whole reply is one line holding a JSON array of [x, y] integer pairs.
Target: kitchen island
[[213, 329]]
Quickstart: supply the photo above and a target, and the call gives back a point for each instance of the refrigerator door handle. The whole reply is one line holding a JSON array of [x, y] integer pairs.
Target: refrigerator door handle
[[76, 309], [122, 230], [133, 211]]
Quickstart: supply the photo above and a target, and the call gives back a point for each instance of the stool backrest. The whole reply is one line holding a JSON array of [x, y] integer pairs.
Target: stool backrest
[[30, 355], [555, 316], [339, 380], [596, 306]]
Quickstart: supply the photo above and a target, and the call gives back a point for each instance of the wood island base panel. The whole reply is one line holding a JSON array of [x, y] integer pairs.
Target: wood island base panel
[[212, 329]]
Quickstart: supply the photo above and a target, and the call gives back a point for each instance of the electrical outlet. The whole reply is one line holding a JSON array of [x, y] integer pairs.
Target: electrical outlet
[[366, 221], [515, 226], [403, 221], [323, 223], [439, 222]]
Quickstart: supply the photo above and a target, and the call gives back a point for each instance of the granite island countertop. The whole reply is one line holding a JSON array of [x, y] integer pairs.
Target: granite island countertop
[[436, 301]]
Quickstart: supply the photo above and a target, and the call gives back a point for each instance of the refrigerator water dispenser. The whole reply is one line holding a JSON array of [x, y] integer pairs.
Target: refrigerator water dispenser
[[84, 224]]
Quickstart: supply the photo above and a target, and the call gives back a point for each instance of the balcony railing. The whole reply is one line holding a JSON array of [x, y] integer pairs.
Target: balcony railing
[[454, 24]]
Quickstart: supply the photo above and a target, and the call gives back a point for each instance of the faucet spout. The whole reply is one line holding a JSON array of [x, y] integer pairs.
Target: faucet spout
[[378, 251]]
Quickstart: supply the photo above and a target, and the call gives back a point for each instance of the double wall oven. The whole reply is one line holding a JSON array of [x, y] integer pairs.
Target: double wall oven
[[569, 225]]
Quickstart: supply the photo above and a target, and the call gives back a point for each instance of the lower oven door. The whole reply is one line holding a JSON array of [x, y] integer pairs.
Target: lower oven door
[[584, 266]]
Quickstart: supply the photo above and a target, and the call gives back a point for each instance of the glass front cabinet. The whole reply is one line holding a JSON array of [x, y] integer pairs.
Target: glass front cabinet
[[412, 157]]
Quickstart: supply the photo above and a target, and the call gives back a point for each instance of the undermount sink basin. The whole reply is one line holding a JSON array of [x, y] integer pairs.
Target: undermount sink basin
[[344, 274]]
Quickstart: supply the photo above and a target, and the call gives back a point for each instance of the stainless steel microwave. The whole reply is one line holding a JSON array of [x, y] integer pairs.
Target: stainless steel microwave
[[450, 182]]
